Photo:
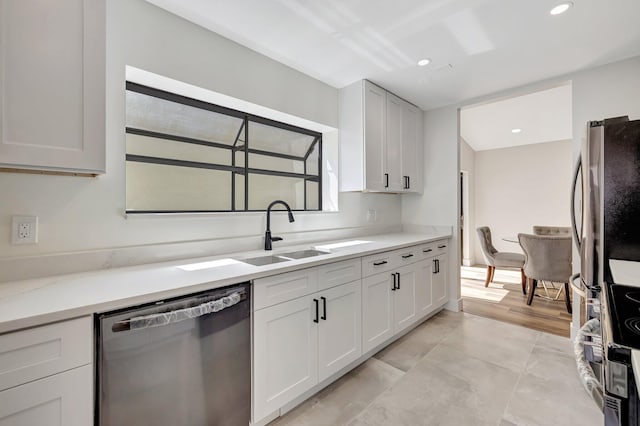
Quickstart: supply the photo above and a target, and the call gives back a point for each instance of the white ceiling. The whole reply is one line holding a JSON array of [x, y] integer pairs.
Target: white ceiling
[[478, 47], [543, 116]]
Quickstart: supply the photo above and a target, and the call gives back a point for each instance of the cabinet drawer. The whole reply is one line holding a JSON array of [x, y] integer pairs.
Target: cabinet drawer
[[380, 262], [441, 246], [64, 399], [433, 248], [407, 255], [42, 351], [338, 273], [280, 288]]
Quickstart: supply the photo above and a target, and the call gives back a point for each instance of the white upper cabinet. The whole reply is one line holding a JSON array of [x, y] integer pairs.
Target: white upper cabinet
[[412, 148], [380, 141], [375, 130], [52, 85]]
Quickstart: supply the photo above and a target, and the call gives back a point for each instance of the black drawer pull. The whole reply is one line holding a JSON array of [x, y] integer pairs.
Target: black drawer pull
[[324, 308], [380, 263], [394, 282], [406, 256], [317, 309], [398, 280], [444, 246], [386, 180], [427, 251]]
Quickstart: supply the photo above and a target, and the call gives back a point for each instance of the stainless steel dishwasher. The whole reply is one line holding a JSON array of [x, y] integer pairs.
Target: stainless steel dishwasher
[[183, 361]]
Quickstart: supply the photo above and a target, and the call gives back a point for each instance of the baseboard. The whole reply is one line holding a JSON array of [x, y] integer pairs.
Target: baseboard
[[454, 305]]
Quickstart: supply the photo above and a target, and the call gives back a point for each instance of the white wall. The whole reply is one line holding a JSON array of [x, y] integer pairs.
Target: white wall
[[519, 187], [82, 214], [439, 204]]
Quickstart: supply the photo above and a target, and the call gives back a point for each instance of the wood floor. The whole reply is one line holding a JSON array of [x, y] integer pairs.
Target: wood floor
[[503, 300]]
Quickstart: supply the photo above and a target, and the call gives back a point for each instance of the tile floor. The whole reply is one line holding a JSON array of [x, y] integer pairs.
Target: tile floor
[[458, 369]]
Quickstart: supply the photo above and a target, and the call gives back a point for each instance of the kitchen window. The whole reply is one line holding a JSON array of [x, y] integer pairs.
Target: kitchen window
[[187, 155]]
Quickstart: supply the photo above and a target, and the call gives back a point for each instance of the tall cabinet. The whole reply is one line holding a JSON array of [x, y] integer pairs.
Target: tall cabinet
[[52, 85], [380, 140]]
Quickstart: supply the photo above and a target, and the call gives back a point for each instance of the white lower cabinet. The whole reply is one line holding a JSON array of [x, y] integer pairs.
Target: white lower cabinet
[[388, 304], [339, 329], [310, 324], [285, 353], [63, 399], [377, 310], [439, 277], [303, 341], [424, 289]]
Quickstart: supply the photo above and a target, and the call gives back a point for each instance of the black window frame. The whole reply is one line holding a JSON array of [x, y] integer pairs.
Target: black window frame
[[245, 170]]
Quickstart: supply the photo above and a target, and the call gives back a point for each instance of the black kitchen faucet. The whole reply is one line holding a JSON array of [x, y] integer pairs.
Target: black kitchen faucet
[[267, 235]]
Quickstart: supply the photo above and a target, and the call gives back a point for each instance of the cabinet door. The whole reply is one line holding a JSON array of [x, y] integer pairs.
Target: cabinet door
[[64, 399], [393, 146], [52, 85], [424, 299], [285, 354], [377, 310], [340, 329], [410, 139], [375, 129], [404, 297], [440, 293]]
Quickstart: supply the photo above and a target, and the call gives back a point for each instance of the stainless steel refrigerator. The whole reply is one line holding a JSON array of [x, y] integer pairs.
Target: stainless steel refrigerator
[[607, 234]]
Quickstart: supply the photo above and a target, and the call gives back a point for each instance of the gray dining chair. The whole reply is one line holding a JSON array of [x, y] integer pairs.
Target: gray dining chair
[[497, 259], [547, 258], [552, 230]]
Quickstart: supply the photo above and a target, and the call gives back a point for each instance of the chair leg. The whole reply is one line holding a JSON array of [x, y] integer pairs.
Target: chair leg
[[489, 275], [524, 281], [567, 298], [532, 289], [493, 272]]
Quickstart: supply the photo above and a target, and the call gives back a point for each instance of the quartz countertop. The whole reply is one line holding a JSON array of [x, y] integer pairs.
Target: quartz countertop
[[34, 302]]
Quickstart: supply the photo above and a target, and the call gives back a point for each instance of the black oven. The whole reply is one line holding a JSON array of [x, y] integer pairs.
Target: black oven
[[621, 341]]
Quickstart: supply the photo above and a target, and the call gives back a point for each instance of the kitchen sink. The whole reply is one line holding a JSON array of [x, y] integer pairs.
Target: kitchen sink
[[301, 254], [264, 260], [282, 257]]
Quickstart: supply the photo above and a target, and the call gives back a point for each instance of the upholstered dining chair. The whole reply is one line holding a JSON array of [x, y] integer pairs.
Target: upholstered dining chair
[[547, 258], [496, 259], [552, 230]]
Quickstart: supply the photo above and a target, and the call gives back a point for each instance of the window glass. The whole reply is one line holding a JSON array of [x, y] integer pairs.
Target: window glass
[[186, 155]]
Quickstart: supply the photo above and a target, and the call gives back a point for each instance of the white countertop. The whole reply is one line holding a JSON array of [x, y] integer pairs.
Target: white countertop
[[29, 303]]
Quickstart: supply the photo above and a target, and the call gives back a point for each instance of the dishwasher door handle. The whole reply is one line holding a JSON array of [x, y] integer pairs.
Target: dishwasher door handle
[[171, 317]]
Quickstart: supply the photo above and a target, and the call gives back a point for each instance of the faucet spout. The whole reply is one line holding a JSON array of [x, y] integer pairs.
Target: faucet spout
[[267, 235]]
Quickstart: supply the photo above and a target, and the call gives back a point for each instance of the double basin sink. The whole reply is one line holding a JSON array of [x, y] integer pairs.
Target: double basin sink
[[283, 257]]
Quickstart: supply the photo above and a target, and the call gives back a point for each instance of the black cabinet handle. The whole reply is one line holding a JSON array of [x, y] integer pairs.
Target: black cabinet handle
[[405, 182], [427, 251], [394, 282], [379, 263], [324, 308], [435, 266], [317, 308], [408, 182], [398, 280], [386, 180], [443, 246], [406, 256]]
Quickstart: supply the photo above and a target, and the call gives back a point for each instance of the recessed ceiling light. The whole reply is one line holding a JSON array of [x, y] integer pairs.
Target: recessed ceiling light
[[561, 8], [516, 130], [424, 62]]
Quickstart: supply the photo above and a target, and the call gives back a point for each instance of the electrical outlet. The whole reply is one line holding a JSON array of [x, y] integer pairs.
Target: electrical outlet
[[24, 230]]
